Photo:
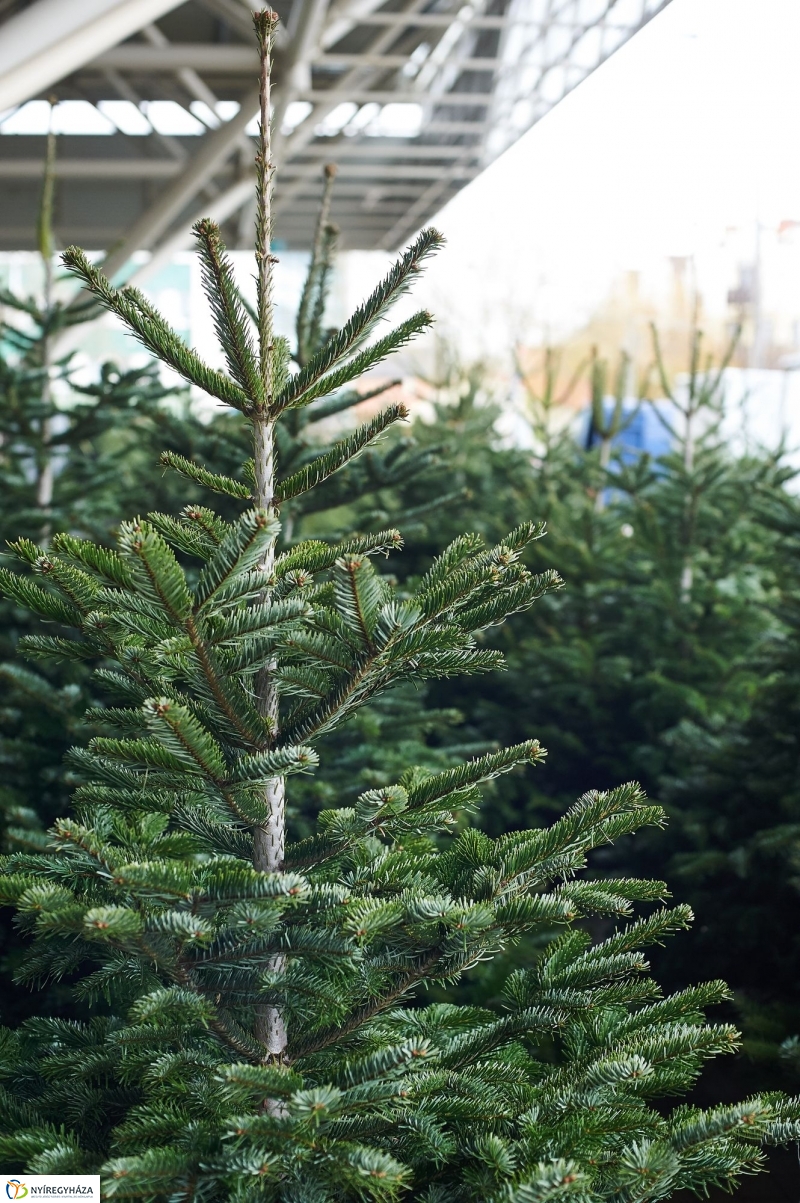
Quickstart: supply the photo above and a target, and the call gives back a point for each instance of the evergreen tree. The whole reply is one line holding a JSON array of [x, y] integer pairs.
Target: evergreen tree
[[370, 488], [262, 1039], [76, 458], [353, 471], [626, 676], [65, 462], [606, 668], [488, 480], [734, 799]]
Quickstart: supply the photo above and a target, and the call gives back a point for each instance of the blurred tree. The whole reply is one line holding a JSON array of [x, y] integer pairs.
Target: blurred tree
[[69, 455], [734, 841], [666, 582]]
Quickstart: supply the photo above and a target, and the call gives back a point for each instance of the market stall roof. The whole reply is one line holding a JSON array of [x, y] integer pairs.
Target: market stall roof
[[154, 103]]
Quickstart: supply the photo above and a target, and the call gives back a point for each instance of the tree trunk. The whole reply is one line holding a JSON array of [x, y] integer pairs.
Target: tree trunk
[[269, 839]]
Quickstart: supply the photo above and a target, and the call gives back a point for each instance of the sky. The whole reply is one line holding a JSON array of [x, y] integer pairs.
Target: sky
[[677, 146]]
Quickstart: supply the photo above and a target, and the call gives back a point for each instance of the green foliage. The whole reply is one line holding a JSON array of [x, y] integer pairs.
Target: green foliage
[[70, 458], [623, 675], [99, 446], [254, 1026], [733, 794], [607, 669]]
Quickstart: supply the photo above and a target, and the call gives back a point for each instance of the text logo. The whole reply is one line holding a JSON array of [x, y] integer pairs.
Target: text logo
[[16, 1189]]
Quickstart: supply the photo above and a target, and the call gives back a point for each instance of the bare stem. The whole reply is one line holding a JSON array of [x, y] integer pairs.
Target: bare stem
[[266, 23], [45, 475], [269, 839]]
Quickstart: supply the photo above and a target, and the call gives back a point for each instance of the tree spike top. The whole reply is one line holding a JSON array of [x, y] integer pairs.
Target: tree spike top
[[265, 22]]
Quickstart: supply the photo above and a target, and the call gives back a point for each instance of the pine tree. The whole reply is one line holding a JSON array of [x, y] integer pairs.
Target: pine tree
[[64, 456], [261, 1037], [608, 667], [734, 798], [77, 457]]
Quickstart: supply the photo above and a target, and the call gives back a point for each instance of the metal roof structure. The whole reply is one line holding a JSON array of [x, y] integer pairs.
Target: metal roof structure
[[155, 100]]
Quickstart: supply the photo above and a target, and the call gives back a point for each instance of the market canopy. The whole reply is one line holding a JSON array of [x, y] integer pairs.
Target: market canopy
[[155, 100]]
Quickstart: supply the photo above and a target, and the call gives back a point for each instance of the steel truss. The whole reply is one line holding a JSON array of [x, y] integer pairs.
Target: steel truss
[[410, 98]]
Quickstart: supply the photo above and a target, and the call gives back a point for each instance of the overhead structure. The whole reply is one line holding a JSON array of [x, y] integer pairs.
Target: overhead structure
[[155, 101]]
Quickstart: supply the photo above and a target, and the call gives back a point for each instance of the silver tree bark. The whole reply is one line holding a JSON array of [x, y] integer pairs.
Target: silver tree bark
[[270, 837]]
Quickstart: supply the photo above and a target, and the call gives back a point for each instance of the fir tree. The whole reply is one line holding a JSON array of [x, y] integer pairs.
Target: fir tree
[[77, 457], [624, 677], [345, 470], [370, 488], [71, 459], [65, 462], [261, 1039], [608, 667], [734, 798]]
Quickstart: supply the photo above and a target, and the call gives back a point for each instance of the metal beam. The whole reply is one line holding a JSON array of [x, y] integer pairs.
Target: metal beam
[[121, 168], [455, 127], [214, 152], [376, 149], [436, 189], [345, 17], [233, 13], [53, 38], [230, 59], [394, 61], [442, 20], [93, 169], [385, 171], [366, 95]]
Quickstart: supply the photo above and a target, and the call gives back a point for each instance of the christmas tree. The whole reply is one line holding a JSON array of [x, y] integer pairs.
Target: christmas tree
[[262, 1034], [66, 465], [666, 598], [734, 798], [76, 457], [623, 675]]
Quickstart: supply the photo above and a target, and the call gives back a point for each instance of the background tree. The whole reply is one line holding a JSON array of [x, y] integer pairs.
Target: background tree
[[734, 798], [69, 457], [606, 668], [623, 675]]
